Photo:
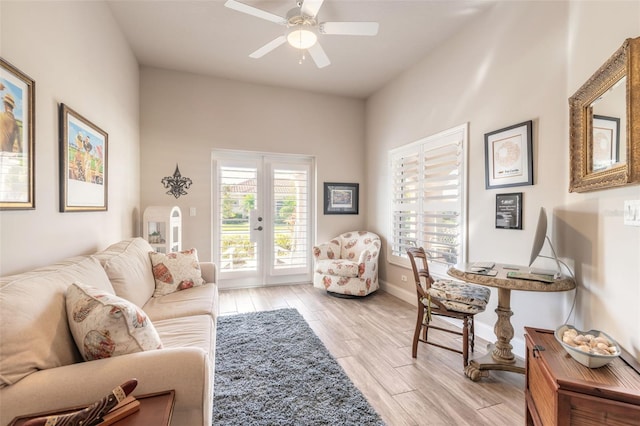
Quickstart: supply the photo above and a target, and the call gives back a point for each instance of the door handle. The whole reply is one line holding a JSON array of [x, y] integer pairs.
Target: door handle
[[259, 228]]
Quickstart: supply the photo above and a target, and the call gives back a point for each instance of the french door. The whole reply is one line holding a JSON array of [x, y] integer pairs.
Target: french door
[[263, 218]]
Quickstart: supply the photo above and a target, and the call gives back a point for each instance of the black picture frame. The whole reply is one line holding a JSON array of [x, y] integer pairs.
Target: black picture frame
[[509, 211], [606, 142], [84, 153], [508, 156], [341, 198]]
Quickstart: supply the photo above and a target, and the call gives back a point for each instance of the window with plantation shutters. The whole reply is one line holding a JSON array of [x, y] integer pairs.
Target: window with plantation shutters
[[429, 204]]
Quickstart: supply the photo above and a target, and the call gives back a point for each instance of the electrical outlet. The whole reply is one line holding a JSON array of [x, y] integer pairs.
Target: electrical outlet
[[403, 278]]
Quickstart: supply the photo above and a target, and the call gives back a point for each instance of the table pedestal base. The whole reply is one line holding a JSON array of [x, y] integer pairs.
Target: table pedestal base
[[480, 367]]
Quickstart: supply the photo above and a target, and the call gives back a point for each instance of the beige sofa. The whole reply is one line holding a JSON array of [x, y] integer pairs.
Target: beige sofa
[[41, 368]]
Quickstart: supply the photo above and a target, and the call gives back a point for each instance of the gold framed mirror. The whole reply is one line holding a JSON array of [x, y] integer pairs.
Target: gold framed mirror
[[604, 119]]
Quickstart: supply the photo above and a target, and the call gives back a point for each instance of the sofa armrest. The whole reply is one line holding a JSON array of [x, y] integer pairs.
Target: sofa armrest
[[209, 272], [188, 371]]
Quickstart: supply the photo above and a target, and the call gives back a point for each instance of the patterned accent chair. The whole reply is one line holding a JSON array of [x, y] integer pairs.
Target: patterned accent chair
[[348, 264], [447, 298]]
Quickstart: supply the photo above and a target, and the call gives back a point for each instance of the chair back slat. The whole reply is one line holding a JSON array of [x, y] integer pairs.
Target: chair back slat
[[420, 267]]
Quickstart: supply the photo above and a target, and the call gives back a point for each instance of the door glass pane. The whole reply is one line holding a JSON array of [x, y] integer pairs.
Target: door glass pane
[[238, 196], [290, 213]]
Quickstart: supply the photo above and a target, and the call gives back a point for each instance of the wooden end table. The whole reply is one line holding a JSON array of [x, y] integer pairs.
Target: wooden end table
[[155, 409]]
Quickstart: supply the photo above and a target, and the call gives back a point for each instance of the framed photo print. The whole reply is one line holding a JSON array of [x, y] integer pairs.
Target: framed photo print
[[340, 198], [606, 142], [509, 211], [17, 139], [83, 163], [509, 156]]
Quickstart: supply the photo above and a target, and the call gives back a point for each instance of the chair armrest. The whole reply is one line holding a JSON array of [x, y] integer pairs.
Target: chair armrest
[[328, 250], [367, 264]]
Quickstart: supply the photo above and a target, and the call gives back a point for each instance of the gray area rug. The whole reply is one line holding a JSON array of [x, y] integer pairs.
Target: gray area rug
[[272, 369]]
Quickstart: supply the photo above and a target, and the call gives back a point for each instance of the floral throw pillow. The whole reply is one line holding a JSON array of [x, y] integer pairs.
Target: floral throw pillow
[[175, 271], [104, 325]]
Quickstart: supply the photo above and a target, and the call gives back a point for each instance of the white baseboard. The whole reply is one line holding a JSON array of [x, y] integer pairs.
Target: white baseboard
[[483, 330]]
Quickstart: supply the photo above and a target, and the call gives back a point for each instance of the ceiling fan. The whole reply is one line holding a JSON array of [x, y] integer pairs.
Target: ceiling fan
[[303, 28]]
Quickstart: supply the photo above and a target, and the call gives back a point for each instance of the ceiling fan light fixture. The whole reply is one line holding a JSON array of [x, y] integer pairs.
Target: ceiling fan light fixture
[[301, 37]]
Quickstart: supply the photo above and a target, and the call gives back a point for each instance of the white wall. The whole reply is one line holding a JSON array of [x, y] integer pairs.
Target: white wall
[[77, 55], [185, 116], [521, 61]]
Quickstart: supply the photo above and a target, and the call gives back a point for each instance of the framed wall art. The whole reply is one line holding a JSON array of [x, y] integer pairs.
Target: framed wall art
[[341, 198], [509, 156], [509, 211], [83, 163], [606, 142], [17, 139]]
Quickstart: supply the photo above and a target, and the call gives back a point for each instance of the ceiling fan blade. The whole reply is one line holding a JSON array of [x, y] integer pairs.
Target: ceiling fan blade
[[268, 47], [349, 28], [319, 57], [254, 11], [311, 7]]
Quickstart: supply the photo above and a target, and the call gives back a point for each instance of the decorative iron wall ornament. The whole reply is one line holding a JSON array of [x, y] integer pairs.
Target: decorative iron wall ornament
[[177, 183]]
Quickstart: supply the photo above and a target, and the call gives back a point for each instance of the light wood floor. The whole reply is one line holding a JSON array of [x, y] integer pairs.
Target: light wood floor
[[371, 339]]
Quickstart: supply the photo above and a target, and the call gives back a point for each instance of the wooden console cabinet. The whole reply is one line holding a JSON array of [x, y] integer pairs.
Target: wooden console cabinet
[[561, 391]]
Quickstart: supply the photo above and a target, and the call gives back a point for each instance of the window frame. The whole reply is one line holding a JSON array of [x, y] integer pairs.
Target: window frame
[[458, 135]]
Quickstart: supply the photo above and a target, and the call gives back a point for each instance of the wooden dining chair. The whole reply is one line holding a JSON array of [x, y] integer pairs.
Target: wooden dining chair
[[446, 298]]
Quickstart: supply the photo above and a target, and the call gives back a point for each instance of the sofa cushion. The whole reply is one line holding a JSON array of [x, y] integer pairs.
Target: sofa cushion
[[202, 300], [339, 267], [198, 331], [104, 325], [175, 271], [33, 321], [128, 266]]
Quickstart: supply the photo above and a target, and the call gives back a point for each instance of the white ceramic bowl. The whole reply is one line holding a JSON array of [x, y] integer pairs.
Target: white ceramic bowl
[[584, 358]]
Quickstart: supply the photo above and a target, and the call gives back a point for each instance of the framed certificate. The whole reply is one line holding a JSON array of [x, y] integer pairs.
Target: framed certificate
[[509, 156], [509, 211]]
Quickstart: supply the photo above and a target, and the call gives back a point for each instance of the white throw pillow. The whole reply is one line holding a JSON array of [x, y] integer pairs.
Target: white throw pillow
[[104, 325], [175, 271]]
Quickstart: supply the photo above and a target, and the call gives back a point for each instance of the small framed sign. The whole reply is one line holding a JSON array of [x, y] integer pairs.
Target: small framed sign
[[509, 210], [340, 198]]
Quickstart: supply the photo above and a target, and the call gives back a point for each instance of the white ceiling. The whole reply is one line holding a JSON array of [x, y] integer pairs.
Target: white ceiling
[[205, 37]]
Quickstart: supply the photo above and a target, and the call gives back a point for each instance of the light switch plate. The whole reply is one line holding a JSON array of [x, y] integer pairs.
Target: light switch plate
[[632, 212]]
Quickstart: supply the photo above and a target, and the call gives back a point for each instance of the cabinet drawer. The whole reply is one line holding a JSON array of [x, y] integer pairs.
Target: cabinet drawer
[[541, 387], [585, 410]]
